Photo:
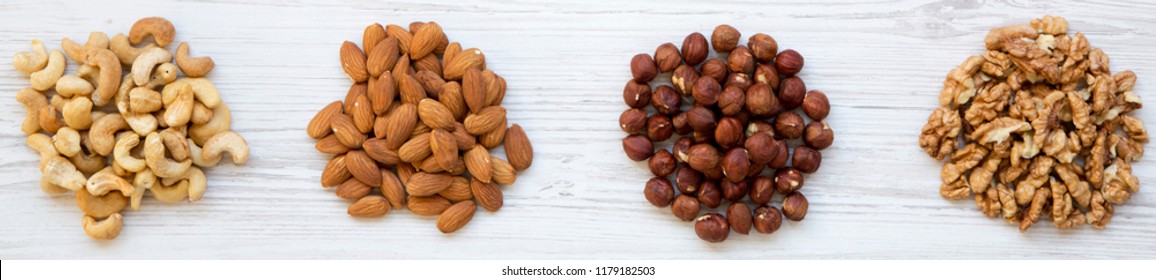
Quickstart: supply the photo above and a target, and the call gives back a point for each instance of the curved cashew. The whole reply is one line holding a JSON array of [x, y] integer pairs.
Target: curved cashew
[[50, 188], [88, 73], [102, 134], [88, 163], [175, 143], [164, 74], [154, 151], [46, 78], [221, 122], [61, 172], [99, 206], [77, 52], [122, 94], [124, 50], [106, 229], [122, 154], [50, 119], [106, 181], [160, 28], [195, 153], [142, 124], [171, 194], [197, 184], [142, 68], [195, 67], [203, 89], [201, 113], [180, 109], [43, 145], [32, 101], [70, 85], [143, 100], [29, 62], [109, 76], [67, 141], [227, 141], [78, 113], [143, 180]]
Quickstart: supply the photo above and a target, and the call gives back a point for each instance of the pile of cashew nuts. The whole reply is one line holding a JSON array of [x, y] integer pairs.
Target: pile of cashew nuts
[[88, 127]]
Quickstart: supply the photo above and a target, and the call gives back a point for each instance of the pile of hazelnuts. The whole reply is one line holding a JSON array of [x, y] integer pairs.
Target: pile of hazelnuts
[[736, 116]]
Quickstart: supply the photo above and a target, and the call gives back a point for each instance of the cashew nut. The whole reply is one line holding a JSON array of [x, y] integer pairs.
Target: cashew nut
[[197, 184], [175, 143], [77, 52], [221, 121], [124, 50], [109, 77], [227, 141], [122, 154], [203, 89], [50, 188], [32, 101], [171, 194], [106, 229], [201, 113], [143, 180], [142, 68], [88, 73], [46, 78], [180, 109], [67, 141], [144, 100], [164, 74], [43, 145], [194, 67], [154, 151], [58, 102], [122, 94], [61, 172], [70, 85], [195, 153], [102, 134], [142, 124], [78, 113], [50, 119], [30, 62], [106, 181], [160, 28], [88, 163]]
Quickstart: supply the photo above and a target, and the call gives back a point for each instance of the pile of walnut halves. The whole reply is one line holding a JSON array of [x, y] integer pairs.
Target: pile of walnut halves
[[1039, 115]]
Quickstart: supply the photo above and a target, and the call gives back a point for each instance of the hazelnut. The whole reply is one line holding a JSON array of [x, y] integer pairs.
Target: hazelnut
[[659, 128], [665, 100], [781, 157], [788, 180], [816, 106], [703, 137], [709, 194], [760, 126], [724, 38], [762, 189], [667, 57], [636, 95], [715, 69], [761, 148], [732, 100], [643, 68], [806, 159], [735, 191], [795, 206], [706, 91], [740, 80], [792, 90], [632, 121], [767, 75], [767, 219], [736, 164], [755, 169], [638, 147], [702, 157], [683, 79], [763, 47], [714, 174], [659, 192], [701, 119], [762, 102], [687, 180], [741, 61], [739, 217], [789, 62], [712, 227], [680, 124], [685, 207], [789, 125], [818, 135], [694, 48], [680, 148], [662, 163], [729, 132]]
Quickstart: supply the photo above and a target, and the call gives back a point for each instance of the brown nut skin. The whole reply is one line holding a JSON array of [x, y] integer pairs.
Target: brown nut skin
[[762, 102], [662, 163], [659, 128], [740, 80], [761, 148], [681, 148], [789, 62], [735, 191], [688, 180], [683, 79], [666, 100], [638, 147], [766, 74], [703, 157], [763, 47], [694, 48], [735, 165], [636, 95], [712, 228], [795, 206], [715, 69], [818, 135], [667, 57], [740, 60], [816, 105], [701, 119], [729, 132], [659, 192], [781, 157], [724, 38], [709, 194], [739, 218], [762, 190], [767, 219], [706, 91], [632, 121], [643, 68], [760, 126], [714, 174], [792, 91], [789, 125], [788, 180], [681, 125], [685, 207], [806, 159], [732, 101]]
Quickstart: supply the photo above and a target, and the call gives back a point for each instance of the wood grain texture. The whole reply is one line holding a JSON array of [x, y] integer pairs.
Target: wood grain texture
[[876, 196]]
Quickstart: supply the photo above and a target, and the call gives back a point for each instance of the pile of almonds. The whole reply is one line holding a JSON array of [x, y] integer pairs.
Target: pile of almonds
[[1038, 125], [738, 116], [420, 114], [113, 135]]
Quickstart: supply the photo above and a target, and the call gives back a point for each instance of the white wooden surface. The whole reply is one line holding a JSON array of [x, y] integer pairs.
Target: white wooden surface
[[876, 195]]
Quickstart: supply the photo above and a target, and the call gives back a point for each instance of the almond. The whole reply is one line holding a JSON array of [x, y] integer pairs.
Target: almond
[[435, 115], [346, 131], [451, 97], [464, 139], [335, 172], [457, 216], [426, 184], [382, 57], [474, 90], [425, 40], [489, 195], [501, 171], [320, 125], [518, 149], [405, 171], [353, 62], [451, 52], [375, 149], [495, 88], [485, 120], [462, 61], [494, 138], [381, 92], [380, 125], [330, 145], [403, 37], [369, 207], [430, 165], [411, 90], [433, 69], [478, 162], [401, 122], [355, 90], [428, 205], [353, 189], [392, 189], [459, 190], [373, 34], [401, 68], [363, 168], [362, 114], [416, 149], [419, 129], [444, 148]]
